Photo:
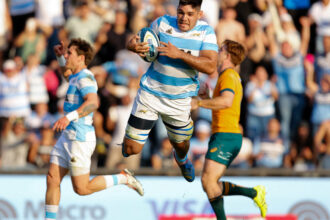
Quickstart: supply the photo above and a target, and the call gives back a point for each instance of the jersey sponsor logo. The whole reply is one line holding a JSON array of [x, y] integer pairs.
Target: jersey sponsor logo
[[143, 111], [196, 34], [73, 159], [213, 150], [169, 31], [224, 156]]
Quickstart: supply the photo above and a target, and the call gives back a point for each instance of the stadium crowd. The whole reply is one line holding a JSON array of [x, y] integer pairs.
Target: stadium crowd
[[286, 77]]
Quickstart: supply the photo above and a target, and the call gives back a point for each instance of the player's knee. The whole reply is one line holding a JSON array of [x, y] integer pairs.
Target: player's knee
[[204, 183], [208, 183], [131, 147], [82, 191], [180, 134]]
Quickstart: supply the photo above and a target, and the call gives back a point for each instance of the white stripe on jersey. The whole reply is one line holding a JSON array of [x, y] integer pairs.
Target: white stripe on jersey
[[175, 79], [172, 71], [173, 90]]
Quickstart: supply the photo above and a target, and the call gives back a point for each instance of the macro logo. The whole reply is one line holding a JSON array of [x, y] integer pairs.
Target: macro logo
[[7, 211], [308, 210]]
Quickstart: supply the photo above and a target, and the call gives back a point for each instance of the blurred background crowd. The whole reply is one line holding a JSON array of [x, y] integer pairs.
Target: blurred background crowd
[[285, 114]]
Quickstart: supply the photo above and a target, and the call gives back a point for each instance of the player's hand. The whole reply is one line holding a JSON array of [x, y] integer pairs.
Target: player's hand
[[138, 47], [204, 91], [59, 49], [169, 50], [61, 124], [194, 103]]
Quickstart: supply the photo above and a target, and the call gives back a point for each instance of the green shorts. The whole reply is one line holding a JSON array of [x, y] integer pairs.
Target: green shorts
[[224, 147]]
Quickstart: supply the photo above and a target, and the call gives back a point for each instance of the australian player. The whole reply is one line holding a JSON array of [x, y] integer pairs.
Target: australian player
[[226, 140]]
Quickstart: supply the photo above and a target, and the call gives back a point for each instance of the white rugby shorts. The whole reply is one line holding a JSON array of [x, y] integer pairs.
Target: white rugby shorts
[[175, 112], [73, 155]]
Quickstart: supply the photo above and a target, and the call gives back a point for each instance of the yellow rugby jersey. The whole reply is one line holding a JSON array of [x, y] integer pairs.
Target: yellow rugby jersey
[[227, 120]]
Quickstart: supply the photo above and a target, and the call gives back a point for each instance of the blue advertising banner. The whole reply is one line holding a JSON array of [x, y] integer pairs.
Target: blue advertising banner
[[22, 197]]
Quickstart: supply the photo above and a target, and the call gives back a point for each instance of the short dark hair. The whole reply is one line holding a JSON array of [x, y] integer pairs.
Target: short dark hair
[[193, 3], [236, 51], [83, 48]]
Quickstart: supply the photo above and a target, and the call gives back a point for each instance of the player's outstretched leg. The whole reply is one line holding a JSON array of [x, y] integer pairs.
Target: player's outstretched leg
[[187, 168], [260, 199], [258, 194], [132, 182]]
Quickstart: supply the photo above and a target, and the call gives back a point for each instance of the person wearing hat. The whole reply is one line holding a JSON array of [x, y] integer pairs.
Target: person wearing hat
[[288, 66], [14, 99]]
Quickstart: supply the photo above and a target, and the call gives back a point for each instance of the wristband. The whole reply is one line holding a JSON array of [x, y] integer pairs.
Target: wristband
[[198, 103], [72, 116], [61, 61]]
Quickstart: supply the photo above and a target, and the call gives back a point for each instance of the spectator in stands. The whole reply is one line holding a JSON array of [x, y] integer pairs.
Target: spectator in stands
[[35, 72], [322, 144], [229, 28], [261, 95], [39, 154], [320, 14], [256, 41], [117, 118], [270, 149], [116, 40], [103, 139], [6, 28], [85, 24], [323, 60], [50, 15], [297, 9], [14, 100], [15, 144], [320, 95], [290, 75], [107, 9], [283, 24], [138, 18], [199, 143], [21, 11], [211, 11], [163, 159], [40, 117], [31, 41], [301, 155]]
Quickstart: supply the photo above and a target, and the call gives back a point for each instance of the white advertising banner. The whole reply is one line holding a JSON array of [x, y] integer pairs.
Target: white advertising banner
[[22, 197]]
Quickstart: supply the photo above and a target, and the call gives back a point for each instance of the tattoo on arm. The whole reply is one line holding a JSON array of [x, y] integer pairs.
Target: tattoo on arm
[[87, 109]]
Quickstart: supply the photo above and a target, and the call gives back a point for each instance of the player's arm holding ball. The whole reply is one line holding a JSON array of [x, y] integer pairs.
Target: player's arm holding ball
[[136, 46]]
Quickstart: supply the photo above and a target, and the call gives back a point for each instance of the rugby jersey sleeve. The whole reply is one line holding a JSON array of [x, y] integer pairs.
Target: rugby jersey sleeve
[[210, 39], [227, 82], [86, 84]]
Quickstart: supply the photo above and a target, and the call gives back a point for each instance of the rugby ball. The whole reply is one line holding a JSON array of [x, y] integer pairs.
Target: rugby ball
[[146, 34]]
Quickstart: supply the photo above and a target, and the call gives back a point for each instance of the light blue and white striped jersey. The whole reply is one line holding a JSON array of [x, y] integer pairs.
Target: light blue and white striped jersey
[[173, 78], [80, 84], [14, 98]]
